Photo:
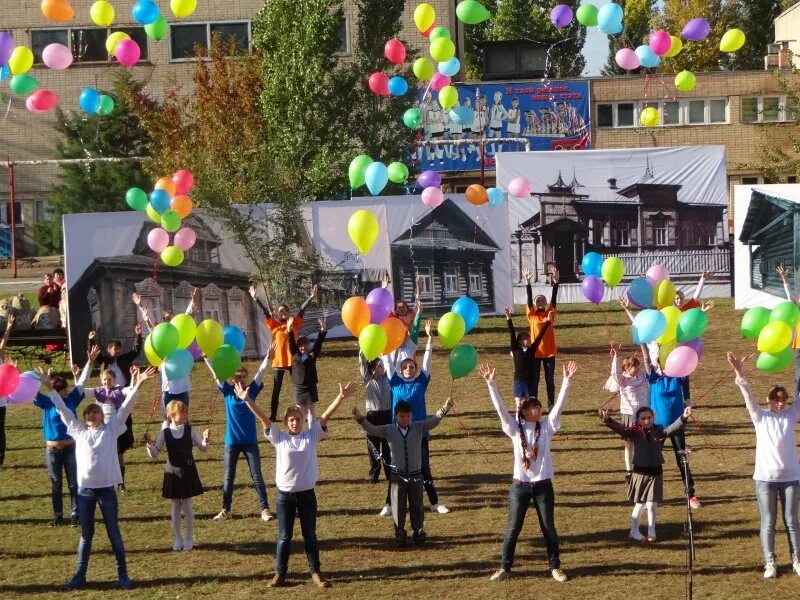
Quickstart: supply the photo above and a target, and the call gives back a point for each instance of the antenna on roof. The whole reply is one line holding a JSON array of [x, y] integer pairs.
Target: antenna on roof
[[648, 172]]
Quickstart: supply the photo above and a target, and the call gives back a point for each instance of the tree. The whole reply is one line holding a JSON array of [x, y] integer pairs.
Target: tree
[[565, 58], [636, 28], [98, 186], [512, 20], [756, 19], [474, 38]]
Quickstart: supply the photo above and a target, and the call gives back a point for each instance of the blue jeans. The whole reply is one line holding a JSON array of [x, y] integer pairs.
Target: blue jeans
[[767, 494], [58, 460], [520, 498], [167, 396], [289, 505], [88, 499], [229, 458]]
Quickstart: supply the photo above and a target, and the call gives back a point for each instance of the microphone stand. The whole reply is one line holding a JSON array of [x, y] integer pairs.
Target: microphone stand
[[684, 454]]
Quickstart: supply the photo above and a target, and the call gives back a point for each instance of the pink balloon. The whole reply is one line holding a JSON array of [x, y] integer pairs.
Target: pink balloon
[[185, 238], [519, 187], [127, 52], [57, 56], [395, 51], [656, 274], [432, 197], [26, 389], [157, 239], [439, 81], [626, 59], [682, 361], [379, 84], [660, 42], [42, 100], [184, 182]]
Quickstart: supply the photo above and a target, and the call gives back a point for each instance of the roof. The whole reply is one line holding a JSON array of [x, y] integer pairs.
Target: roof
[[562, 225], [450, 217], [443, 244], [763, 212]]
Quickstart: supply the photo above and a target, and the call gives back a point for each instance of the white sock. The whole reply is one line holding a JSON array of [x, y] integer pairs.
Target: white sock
[[175, 514], [651, 518], [635, 515], [188, 517], [628, 456]]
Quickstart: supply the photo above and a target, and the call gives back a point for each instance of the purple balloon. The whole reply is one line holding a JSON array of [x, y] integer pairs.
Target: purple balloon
[[428, 179], [696, 345], [195, 351], [593, 288], [6, 47], [26, 389], [380, 304], [561, 15], [696, 30]]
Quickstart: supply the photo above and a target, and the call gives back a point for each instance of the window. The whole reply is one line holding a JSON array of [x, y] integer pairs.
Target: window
[[41, 211], [767, 109], [4, 214], [620, 233], [697, 111], [770, 109], [625, 115], [184, 38], [44, 37], [605, 115], [344, 39], [231, 31], [475, 281], [750, 180], [718, 110], [451, 280], [660, 232], [691, 112], [424, 273], [138, 35], [87, 44], [617, 114], [671, 113], [791, 179], [597, 232]]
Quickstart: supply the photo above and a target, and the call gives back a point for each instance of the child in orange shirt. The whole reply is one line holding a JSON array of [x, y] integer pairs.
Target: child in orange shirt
[[276, 323], [537, 314]]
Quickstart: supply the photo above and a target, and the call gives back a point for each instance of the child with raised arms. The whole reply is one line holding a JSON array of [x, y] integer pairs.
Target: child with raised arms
[[523, 353], [304, 368]]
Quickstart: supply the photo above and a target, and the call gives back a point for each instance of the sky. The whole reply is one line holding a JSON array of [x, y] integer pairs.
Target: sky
[[595, 50]]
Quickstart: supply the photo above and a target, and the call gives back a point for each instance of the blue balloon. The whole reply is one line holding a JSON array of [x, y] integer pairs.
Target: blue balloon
[[145, 12], [640, 293], [450, 68], [4, 72], [592, 264], [89, 101], [397, 86], [178, 363], [461, 115], [376, 177], [234, 336], [496, 196], [612, 28], [648, 325], [160, 200], [468, 309], [647, 58], [609, 14]]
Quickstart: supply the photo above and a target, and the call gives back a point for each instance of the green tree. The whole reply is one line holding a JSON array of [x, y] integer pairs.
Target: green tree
[[512, 20], [96, 186], [636, 29], [756, 19], [565, 58], [474, 38]]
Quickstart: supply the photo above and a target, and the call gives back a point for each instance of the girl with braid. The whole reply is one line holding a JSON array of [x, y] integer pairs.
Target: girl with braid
[[533, 469]]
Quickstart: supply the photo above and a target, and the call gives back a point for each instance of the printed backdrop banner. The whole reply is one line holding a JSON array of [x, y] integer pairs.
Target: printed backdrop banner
[[551, 116]]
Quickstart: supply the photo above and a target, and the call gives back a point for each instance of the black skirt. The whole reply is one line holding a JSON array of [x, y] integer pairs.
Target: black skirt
[[305, 394], [126, 441], [181, 483]]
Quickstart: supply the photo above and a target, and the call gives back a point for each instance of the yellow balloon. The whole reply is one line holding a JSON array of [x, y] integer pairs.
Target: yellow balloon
[[153, 358], [151, 212], [675, 47], [114, 39], [649, 117], [442, 49], [363, 230], [732, 40], [424, 69], [664, 350], [673, 314], [182, 8], [665, 294], [448, 97], [102, 13], [21, 60], [424, 16]]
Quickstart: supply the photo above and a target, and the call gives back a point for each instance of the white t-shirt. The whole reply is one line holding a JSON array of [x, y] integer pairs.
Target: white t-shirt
[[174, 386], [296, 462]]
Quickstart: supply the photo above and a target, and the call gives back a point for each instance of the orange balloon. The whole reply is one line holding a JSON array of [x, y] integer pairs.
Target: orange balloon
[[182, 205], [57, 10], [355, 314], [395, 334], [476, 194], [166, 184]]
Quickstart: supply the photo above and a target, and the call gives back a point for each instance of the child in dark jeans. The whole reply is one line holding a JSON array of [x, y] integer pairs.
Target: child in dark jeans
[[304, 370]]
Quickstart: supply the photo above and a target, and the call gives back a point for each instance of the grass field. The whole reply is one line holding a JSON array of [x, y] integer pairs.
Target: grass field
[[472, 462]]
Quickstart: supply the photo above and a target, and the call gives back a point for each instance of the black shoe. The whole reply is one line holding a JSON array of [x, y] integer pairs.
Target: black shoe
[[373, 478], [57, 522], [400, 537], [76, 583], [74, 521], [420, 537]]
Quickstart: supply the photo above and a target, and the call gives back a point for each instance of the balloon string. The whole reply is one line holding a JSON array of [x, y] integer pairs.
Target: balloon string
[[8, 109], [468, 433]]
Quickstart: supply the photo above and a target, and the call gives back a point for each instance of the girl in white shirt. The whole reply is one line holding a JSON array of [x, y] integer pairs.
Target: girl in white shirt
[[777, 470], [533, 469]]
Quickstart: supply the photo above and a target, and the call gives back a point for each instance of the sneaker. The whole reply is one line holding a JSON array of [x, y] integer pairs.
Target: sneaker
[[319, 580], [400, 538], [636, 535], [439, 508], [386, 511], [420, 537], [770, 571], [188, 544], [223, 515], [74, 521], [76, 583], [125, 583], [559, 575], [177, 545], [796, 566], [277, 581], [651, 538], [266, 516], [500, 575], [694, 502], [57, 522]]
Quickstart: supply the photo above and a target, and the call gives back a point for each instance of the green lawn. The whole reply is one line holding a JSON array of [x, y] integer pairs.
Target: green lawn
[[472, 461]]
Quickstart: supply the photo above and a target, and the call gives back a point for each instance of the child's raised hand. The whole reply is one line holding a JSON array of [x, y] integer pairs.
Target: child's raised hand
[[707, 305], [487, 372], [315, 292], [428, 327], [289, 323], [356, 414], [92, 336], [687, 412], [240, 390], [706, 274], [624, 302], [137, 330], [322, 323], [550, 316], [570, 369], [526, 273], [207, 436], [94, 352], [146, 374], [137, 299], [75, 369], [448, 404], [347, 390], [507, 312], [604, 414], [252, 290], [385, 280], [613, 347], [147, 438], [736, 363]]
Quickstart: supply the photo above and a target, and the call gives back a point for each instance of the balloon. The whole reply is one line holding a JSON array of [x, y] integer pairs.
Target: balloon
[[609, 18], [775, 362], [696, 345], [9, 379], [732, 41], [166, 184], [468, 309], [461, 115], [164, 338], [363, 230], [136, 198], [178, 363], [186, 328], [194, 349], [355, 314], [775, 337], [380, 304], [423, 69], [665, 293], [23, 84], [154, 216], [787, 312], [429, 179], [225, 362], [681, 362], [696, 30], [676, 45], [395, 334], [448, 97], [647, 58], [519, 187], [664, 350], [372, 340], [656, 274], [6, 47], [593, 289], [57, 10], [379, 84], [182, 8], [496, 197], [20, 61], [57, 56], [358, 167], [89, 102], [114, 39], [145, 12], [587, 15], [184, 181], [592, 264], [412, 118], [648, 326], [43, 100], [397, 86], [640, 293], [27, 386], [424, 16], [185, 238], [626, 59], [450, 68], [451, 328], [660, 42], [376, 177], [476, 194], [395, 51], [753, 321], [442, 49], [685, 81], [612, 271], [438, 32], [611, 28], [692, 324], [102, 13], [673, 315], [472, 12], [233, 336], [153, 358], [463, 360], [30, 106], [432, 196], [439, 82], [157, 240], [106, 105], [181, 205], [127, 53], [561, 15], [649, 117], [160, 200], [4, 72], [398, 172], [209, 336], [172, 256], [171, 221]]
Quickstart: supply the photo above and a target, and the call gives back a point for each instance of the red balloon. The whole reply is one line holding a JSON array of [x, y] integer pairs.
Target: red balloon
[[379, 84], [9, 379], [184, 181], [42, 100], [428, 31], [395, 51]]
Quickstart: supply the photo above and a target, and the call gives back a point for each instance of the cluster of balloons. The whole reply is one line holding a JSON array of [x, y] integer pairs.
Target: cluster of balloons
[[375, 175], [598, 273], [380, 83], [451, 328], [363, 230], [166, 206], [18, 388], [654, 289], [774, 331], [18, 60], [371, 321], [93, 102]]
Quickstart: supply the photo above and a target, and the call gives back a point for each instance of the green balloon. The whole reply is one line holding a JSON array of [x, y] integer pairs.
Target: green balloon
[[463, 360], [164, 339], [612, 271], [136, 199], [106, 105], [412, 118], [398, 172], [587, 15], [372, 341], [439, 32], [451, 328], [23, 84], [186, 327], [692, 324], [225, 362], [753, 321], [358, 167], [775, 362], [171, 221], [172, 256], [472, 12], [787, 312], [158, 29]]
